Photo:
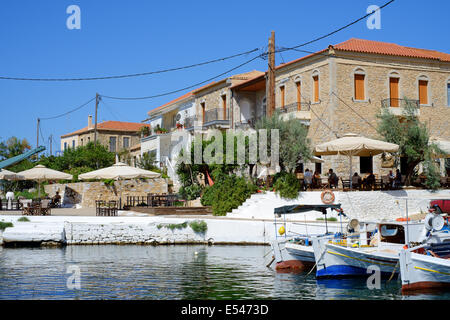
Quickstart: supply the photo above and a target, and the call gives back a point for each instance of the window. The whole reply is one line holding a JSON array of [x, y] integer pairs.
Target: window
[[318, 166], [112, 144], [393, 91], [89, 139], [423, 91], [81, 141], [282, 96], [365, 164], [316, 88], [126, 142], [203, 111], [73, 144], [224, 106], [299, 95], [65, 146], [359, 87]]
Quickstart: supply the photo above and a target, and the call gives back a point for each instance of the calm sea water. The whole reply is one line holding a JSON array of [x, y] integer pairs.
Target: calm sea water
[[169, 272]]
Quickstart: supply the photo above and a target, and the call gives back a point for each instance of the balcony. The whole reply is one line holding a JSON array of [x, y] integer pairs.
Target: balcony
[[300, 111], [189, 122], [216, 117], [397, 106], [245, 125]]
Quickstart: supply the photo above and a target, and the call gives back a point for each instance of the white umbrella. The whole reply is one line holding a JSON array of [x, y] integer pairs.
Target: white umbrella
[[353, 145], [119, 171], [41, 173], [9, 175], [444, 146]]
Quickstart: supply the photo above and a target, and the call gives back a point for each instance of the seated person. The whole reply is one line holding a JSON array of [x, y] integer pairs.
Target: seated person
[[307, 179], [370, 180], [397, 179], [332, 179], [391, 178], [56, 201], [356, 180], [316, 180]]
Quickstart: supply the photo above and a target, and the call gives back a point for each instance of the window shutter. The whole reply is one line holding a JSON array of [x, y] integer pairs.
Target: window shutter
[[359, 87], [423, 91], [316, 88], [282, 96], [299, 96], [393, 91]]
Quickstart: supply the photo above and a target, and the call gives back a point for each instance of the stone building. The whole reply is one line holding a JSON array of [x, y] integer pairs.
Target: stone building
[[341, 89], [335, 91], [116, 136]]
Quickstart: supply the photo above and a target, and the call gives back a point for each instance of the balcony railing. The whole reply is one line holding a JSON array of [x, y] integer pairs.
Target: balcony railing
[[216, 115], [248, 124], [189, 122], [296, 106], [399, 103]]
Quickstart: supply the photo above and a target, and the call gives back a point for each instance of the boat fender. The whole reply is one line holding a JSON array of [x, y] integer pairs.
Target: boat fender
[[281, 231]]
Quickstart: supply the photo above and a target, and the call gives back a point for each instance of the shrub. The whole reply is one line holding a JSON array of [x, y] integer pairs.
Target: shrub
[[173, 226], [4, 225], [227, 193], [190, 192], [287, 186], [199, 226], [23, 219]]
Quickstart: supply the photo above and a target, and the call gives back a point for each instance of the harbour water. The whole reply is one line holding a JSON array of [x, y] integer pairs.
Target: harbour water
[[170, 272]]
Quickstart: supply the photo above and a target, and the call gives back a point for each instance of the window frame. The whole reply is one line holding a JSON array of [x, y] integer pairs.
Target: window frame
[[315, 93], [360, 71], [420, 78]]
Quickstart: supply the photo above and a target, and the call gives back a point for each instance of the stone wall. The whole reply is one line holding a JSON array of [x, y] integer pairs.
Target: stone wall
[[86, 193]]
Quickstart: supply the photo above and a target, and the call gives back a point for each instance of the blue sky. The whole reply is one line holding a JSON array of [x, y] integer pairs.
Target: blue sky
[[123, 37]]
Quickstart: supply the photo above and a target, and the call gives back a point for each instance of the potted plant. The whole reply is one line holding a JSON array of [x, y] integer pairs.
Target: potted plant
[[145, 131], [179, 126]]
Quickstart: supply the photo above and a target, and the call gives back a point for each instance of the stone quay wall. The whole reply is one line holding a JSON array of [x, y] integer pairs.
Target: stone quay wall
[[86, 193]]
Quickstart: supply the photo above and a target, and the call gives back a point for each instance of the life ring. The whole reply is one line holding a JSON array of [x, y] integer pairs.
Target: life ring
[[327, 197]]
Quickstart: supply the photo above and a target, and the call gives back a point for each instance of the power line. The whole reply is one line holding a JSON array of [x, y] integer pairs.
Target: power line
[[337, 30], [68, 112], [133, 74], [185, 88]]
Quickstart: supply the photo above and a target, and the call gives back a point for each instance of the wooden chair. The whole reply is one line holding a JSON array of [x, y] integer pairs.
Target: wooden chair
[[45, 209], [26, 206], [345, 184]]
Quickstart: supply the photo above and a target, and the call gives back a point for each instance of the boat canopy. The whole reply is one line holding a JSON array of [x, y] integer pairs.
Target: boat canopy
[[298, 208]]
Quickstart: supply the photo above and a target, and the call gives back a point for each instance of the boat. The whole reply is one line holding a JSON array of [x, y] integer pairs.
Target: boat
[[294, 253], [380, 250], [427, 267]]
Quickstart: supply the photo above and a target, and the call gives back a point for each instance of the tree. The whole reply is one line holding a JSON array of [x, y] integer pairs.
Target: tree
[[413, 139], [293, 142], [147, 161], [13, 147]]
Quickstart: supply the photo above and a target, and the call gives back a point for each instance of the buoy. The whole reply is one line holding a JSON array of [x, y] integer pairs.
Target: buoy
[[327, 196], [281, 231]]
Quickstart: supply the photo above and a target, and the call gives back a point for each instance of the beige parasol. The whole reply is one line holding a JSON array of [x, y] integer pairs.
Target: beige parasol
[[9, 175], [353, 145], [119, 171], [41, 173]]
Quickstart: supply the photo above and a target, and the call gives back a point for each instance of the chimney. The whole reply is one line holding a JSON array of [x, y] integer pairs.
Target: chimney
[[90, 122]]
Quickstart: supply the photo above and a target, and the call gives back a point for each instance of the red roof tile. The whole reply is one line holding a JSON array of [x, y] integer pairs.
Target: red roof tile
[[385, 48], [111, 126]]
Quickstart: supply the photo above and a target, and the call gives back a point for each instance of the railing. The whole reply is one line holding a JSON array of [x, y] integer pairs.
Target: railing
[[189, 122], [401, 103], [296, 106], [218, 114], [250, 123]]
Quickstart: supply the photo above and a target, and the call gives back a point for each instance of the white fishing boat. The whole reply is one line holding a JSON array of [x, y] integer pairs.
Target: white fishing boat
[[294, 252], [427, 267], [378, 251]]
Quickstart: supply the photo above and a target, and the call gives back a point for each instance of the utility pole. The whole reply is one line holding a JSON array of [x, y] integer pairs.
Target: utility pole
[[270, 86], [37, 132], [97, 98], [50, 140]]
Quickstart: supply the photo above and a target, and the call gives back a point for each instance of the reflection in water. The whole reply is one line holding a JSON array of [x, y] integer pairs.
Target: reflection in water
[[169, 272]]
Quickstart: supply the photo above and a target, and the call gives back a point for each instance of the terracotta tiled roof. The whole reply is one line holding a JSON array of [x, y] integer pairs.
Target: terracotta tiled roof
[[385, 48], [111, 126]]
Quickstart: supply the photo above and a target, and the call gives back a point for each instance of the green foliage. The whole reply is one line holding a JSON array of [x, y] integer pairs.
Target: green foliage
[[413, 139], [30, 195], [227, 193], [432, 173], [173, 226], [190, 192], [287, 185], [13, 147], [147, 161], [23, 219], [293, 142], [328, 219], [87, 157], [199, 226], [108, 182], [145, 131], [4, 225]]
